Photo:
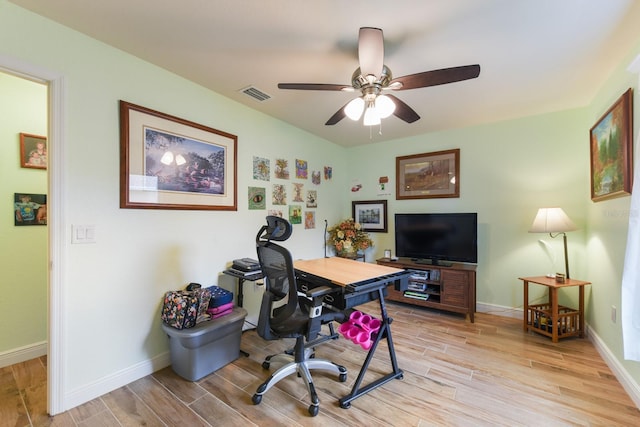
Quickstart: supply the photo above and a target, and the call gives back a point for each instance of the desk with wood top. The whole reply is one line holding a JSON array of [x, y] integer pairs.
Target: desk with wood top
[[361, 283]]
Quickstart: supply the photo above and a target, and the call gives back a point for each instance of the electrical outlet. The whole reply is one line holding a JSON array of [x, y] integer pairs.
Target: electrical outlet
[[613, 313]]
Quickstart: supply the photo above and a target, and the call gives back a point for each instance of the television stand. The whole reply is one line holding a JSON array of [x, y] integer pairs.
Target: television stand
[[427, 261], [449, 287]]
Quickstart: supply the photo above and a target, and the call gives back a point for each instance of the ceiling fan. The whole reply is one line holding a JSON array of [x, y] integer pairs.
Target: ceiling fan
[[373, 79]]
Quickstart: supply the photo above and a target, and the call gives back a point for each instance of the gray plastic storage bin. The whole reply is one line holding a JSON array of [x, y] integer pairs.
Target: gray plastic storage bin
[[196, 352]]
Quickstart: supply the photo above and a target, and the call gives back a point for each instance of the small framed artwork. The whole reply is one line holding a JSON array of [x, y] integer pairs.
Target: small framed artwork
[[428, 175], [171, 163], [370, 214], [33, 151], [611, 149], [30, 209]]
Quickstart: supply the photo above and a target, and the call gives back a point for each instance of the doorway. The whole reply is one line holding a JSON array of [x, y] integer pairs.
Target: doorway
[[55, 261]]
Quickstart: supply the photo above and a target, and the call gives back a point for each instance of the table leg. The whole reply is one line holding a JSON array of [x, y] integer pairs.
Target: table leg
[[525, 326], [553, 297], [581, 308]]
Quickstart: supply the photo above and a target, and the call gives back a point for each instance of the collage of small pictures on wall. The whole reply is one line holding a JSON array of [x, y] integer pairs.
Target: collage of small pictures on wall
[[295, 201], [29, 208]]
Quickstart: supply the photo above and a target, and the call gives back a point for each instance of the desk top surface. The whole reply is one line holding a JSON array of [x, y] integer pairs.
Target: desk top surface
[[551, 281], [343, 271]]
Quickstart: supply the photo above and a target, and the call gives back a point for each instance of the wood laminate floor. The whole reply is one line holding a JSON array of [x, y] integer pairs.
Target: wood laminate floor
[[489, 373]]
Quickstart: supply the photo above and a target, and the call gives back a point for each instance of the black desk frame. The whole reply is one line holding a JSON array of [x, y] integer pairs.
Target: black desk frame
[[396, 373], [360, 293]]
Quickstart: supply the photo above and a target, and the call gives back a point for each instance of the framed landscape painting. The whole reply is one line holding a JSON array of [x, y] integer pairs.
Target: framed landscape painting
[[428, 175], [611, 146]]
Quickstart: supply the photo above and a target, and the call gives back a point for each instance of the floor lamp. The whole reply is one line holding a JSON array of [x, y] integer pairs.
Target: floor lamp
[[555, 222]]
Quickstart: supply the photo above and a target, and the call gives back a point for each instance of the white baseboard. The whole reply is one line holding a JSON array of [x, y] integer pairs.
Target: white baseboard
[[22, 354], [499, 310], [628, 383], [116, 380]]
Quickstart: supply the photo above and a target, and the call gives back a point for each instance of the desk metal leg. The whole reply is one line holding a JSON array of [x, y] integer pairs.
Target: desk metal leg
[[385, 330]]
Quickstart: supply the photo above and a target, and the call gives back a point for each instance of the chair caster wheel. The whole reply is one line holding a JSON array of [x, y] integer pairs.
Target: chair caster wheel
[[266, 365], [313, 410], [342, 378], [256, 399]]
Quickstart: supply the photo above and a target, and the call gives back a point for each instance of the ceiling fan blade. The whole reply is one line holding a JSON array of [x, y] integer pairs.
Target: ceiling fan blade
[[339, 115], [437, 77], [313, 86], [370, 51], [403, 111]]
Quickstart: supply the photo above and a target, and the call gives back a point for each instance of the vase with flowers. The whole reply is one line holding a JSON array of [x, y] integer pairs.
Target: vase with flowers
[[348, 238]]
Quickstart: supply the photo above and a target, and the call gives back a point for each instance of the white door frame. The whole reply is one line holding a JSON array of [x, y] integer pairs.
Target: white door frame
[[56, 224]]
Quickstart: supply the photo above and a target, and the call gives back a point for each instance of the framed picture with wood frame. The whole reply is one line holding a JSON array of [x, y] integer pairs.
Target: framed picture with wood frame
[[428, 175], [611, 147], [33, 151], [172, 163], [370, 214]]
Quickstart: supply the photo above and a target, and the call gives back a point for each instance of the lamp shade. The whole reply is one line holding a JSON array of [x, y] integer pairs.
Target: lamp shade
[[371, 116], [385, 106], [552, 220], [354, 108]]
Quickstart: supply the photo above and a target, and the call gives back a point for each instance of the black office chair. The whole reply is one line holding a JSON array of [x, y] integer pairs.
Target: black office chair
[[285, 314]]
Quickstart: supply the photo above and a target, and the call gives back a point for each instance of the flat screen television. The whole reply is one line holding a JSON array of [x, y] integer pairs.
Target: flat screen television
[[437, 238]]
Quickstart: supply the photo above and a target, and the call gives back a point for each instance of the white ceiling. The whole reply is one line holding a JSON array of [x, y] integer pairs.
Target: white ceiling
[[536, 56]]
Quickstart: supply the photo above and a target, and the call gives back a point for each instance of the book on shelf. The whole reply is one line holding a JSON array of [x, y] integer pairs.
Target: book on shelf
[[416, 295]]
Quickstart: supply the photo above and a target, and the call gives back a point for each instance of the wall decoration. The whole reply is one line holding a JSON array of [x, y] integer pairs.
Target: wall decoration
[[316, 177], [612, 151], [328, 173], [428, 175], [356, 185], [282, 169], [171, 163], [309, 220], [312, 199], [261, 168], [33, 151], [295, 214], [297, 192], [257, 198], [370, 214], [301, 169], [279, 196], [30, 209], [275, 212]]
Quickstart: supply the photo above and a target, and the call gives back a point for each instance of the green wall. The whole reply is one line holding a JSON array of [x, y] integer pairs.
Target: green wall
[[23, 264]]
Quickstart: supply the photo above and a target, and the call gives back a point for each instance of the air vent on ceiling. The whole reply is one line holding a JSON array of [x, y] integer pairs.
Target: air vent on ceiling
[[255, 93]]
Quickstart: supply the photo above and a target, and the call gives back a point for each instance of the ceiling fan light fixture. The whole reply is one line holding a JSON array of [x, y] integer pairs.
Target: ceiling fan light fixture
[[371, 115], [385, 106], [354, 108]]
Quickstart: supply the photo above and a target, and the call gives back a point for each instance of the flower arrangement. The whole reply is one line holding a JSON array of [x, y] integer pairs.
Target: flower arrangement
[[348, 236]]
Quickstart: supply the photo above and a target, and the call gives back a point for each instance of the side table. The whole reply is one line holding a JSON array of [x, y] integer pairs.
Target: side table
[[251, 277], [552, 319]]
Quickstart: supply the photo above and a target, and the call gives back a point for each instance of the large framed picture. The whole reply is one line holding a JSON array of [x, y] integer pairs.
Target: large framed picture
[[428, 175], [371, 214], [33, 151], [171, 163], [612, 151]]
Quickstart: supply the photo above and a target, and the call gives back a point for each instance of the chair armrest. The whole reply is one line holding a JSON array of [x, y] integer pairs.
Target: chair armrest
[[320, 291]]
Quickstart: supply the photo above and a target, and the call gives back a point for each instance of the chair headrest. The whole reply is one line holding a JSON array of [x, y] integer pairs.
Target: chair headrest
[[278, 229]]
